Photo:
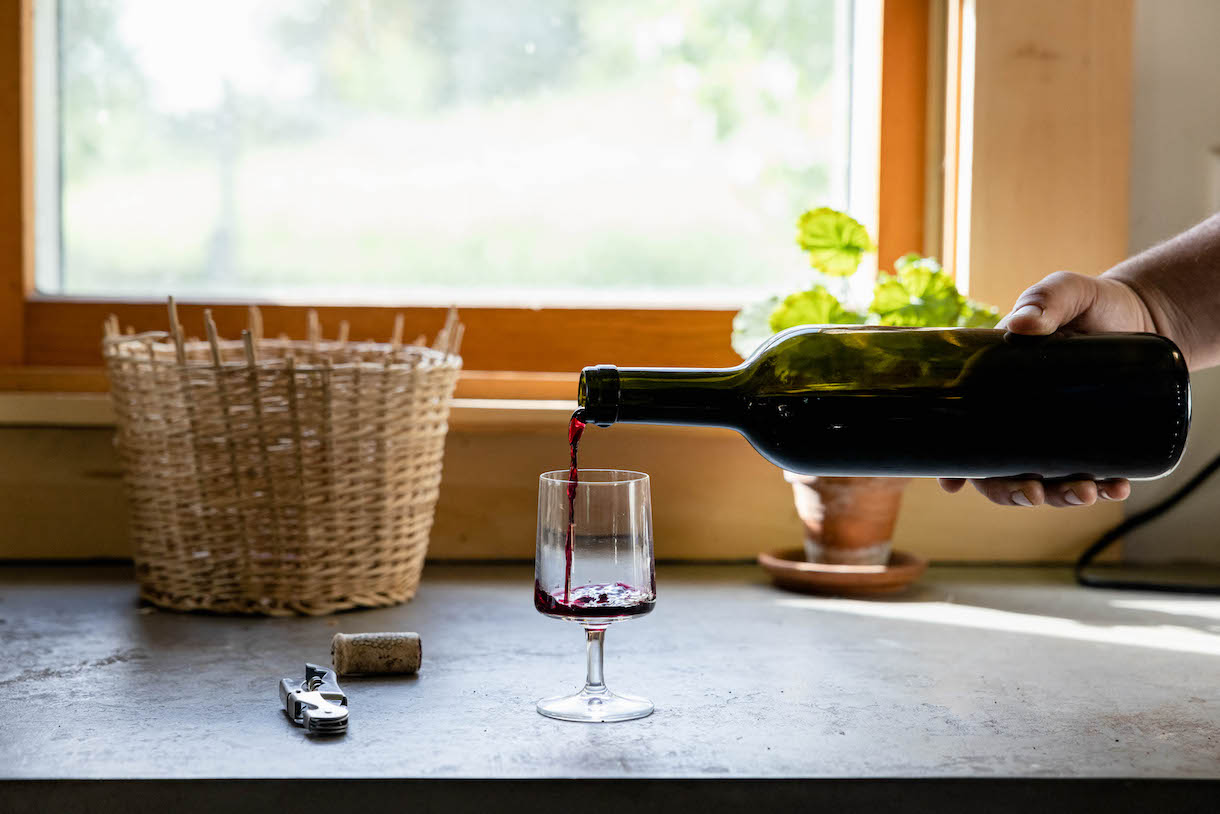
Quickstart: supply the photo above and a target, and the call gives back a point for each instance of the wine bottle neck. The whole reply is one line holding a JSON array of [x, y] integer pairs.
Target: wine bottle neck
[[704, 397]]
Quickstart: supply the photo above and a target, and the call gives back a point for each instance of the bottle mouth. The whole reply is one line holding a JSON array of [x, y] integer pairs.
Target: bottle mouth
[[598, 394]]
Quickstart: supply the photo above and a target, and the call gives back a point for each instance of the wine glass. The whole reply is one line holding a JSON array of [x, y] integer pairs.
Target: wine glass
[[604, 574]]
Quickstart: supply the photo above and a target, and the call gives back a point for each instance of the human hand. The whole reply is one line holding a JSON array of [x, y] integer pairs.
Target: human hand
[[1083, 303]]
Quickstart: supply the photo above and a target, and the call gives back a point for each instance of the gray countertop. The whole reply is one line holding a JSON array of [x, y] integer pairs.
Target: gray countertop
[[980, 673]]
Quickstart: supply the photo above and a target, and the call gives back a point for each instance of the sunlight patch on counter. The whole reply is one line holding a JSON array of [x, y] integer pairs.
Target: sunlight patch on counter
[[1160, 637]]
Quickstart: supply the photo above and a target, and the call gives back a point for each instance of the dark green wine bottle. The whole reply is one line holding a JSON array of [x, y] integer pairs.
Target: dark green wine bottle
[[927, 402]]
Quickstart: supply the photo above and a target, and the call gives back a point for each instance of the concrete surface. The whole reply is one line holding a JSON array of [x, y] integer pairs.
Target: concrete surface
[[980, 673]]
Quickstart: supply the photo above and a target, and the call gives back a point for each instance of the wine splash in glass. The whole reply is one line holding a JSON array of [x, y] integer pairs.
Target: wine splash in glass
[[594, 566]]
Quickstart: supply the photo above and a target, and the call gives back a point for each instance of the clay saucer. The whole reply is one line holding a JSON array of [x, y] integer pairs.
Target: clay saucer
[[788, 569]]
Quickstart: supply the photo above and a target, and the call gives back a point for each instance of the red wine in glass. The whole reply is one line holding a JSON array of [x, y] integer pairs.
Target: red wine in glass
[[594, 603]]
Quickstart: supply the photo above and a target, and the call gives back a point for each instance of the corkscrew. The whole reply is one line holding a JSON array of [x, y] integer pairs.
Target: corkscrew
[[317, 703]]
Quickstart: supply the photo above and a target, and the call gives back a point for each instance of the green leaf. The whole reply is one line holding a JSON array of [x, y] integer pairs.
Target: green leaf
[[919, 295], [751, 326], [915, 260], [817, 306], [836, 242], [977, 315]]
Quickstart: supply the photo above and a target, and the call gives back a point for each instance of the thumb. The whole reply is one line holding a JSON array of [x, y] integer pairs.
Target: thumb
[[1048, 305]]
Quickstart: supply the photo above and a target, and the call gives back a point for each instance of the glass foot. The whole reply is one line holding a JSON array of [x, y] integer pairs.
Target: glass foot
[[595, 706]]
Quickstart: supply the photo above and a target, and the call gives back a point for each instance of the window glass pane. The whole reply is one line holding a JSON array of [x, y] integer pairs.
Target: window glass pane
[[478, 151]]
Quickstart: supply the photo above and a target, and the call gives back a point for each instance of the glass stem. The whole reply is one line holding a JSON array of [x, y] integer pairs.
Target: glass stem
[[594, 682]]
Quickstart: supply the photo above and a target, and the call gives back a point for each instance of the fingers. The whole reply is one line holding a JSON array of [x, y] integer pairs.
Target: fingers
[[1070, 493], [1051, 303], [1011, 492], [1058, 493], [1114, 489], [952, 485]]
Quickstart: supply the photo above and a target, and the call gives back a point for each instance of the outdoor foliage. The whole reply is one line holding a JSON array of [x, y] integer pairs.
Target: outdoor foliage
[[234, 148]]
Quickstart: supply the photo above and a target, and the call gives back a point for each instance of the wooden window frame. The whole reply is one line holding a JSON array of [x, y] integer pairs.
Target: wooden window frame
[[52, 343]]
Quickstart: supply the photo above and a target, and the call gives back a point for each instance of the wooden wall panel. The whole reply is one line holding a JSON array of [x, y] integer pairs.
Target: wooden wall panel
[[1051, 136], [713, 497]]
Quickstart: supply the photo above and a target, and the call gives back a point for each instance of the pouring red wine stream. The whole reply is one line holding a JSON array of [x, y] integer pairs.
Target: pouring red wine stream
[[576, 428]]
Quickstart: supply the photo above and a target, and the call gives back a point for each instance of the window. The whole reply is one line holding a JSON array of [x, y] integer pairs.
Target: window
[[536, 152], [768, 130]]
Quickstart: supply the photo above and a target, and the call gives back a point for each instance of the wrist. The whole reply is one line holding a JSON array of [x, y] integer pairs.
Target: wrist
[[1154, 310]]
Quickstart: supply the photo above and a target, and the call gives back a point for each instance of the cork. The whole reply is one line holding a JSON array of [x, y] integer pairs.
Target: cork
[[376, 653]]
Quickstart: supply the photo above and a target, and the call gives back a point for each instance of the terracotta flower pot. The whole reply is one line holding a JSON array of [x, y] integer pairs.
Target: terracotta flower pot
[[848, 521]]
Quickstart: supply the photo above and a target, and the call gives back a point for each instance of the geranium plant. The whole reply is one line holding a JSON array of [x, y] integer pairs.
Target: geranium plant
[[917, 292]]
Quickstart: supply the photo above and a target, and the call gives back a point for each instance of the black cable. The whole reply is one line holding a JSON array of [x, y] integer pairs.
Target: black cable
[[1135, 521]]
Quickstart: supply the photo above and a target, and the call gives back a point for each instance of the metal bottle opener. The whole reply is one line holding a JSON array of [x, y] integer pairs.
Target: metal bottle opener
[[317, 703]]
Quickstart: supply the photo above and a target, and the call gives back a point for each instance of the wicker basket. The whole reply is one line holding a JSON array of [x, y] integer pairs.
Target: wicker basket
[[280, 477]]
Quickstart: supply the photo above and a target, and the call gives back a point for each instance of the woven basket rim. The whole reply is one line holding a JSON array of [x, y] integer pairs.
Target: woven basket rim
[[428, 357]]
